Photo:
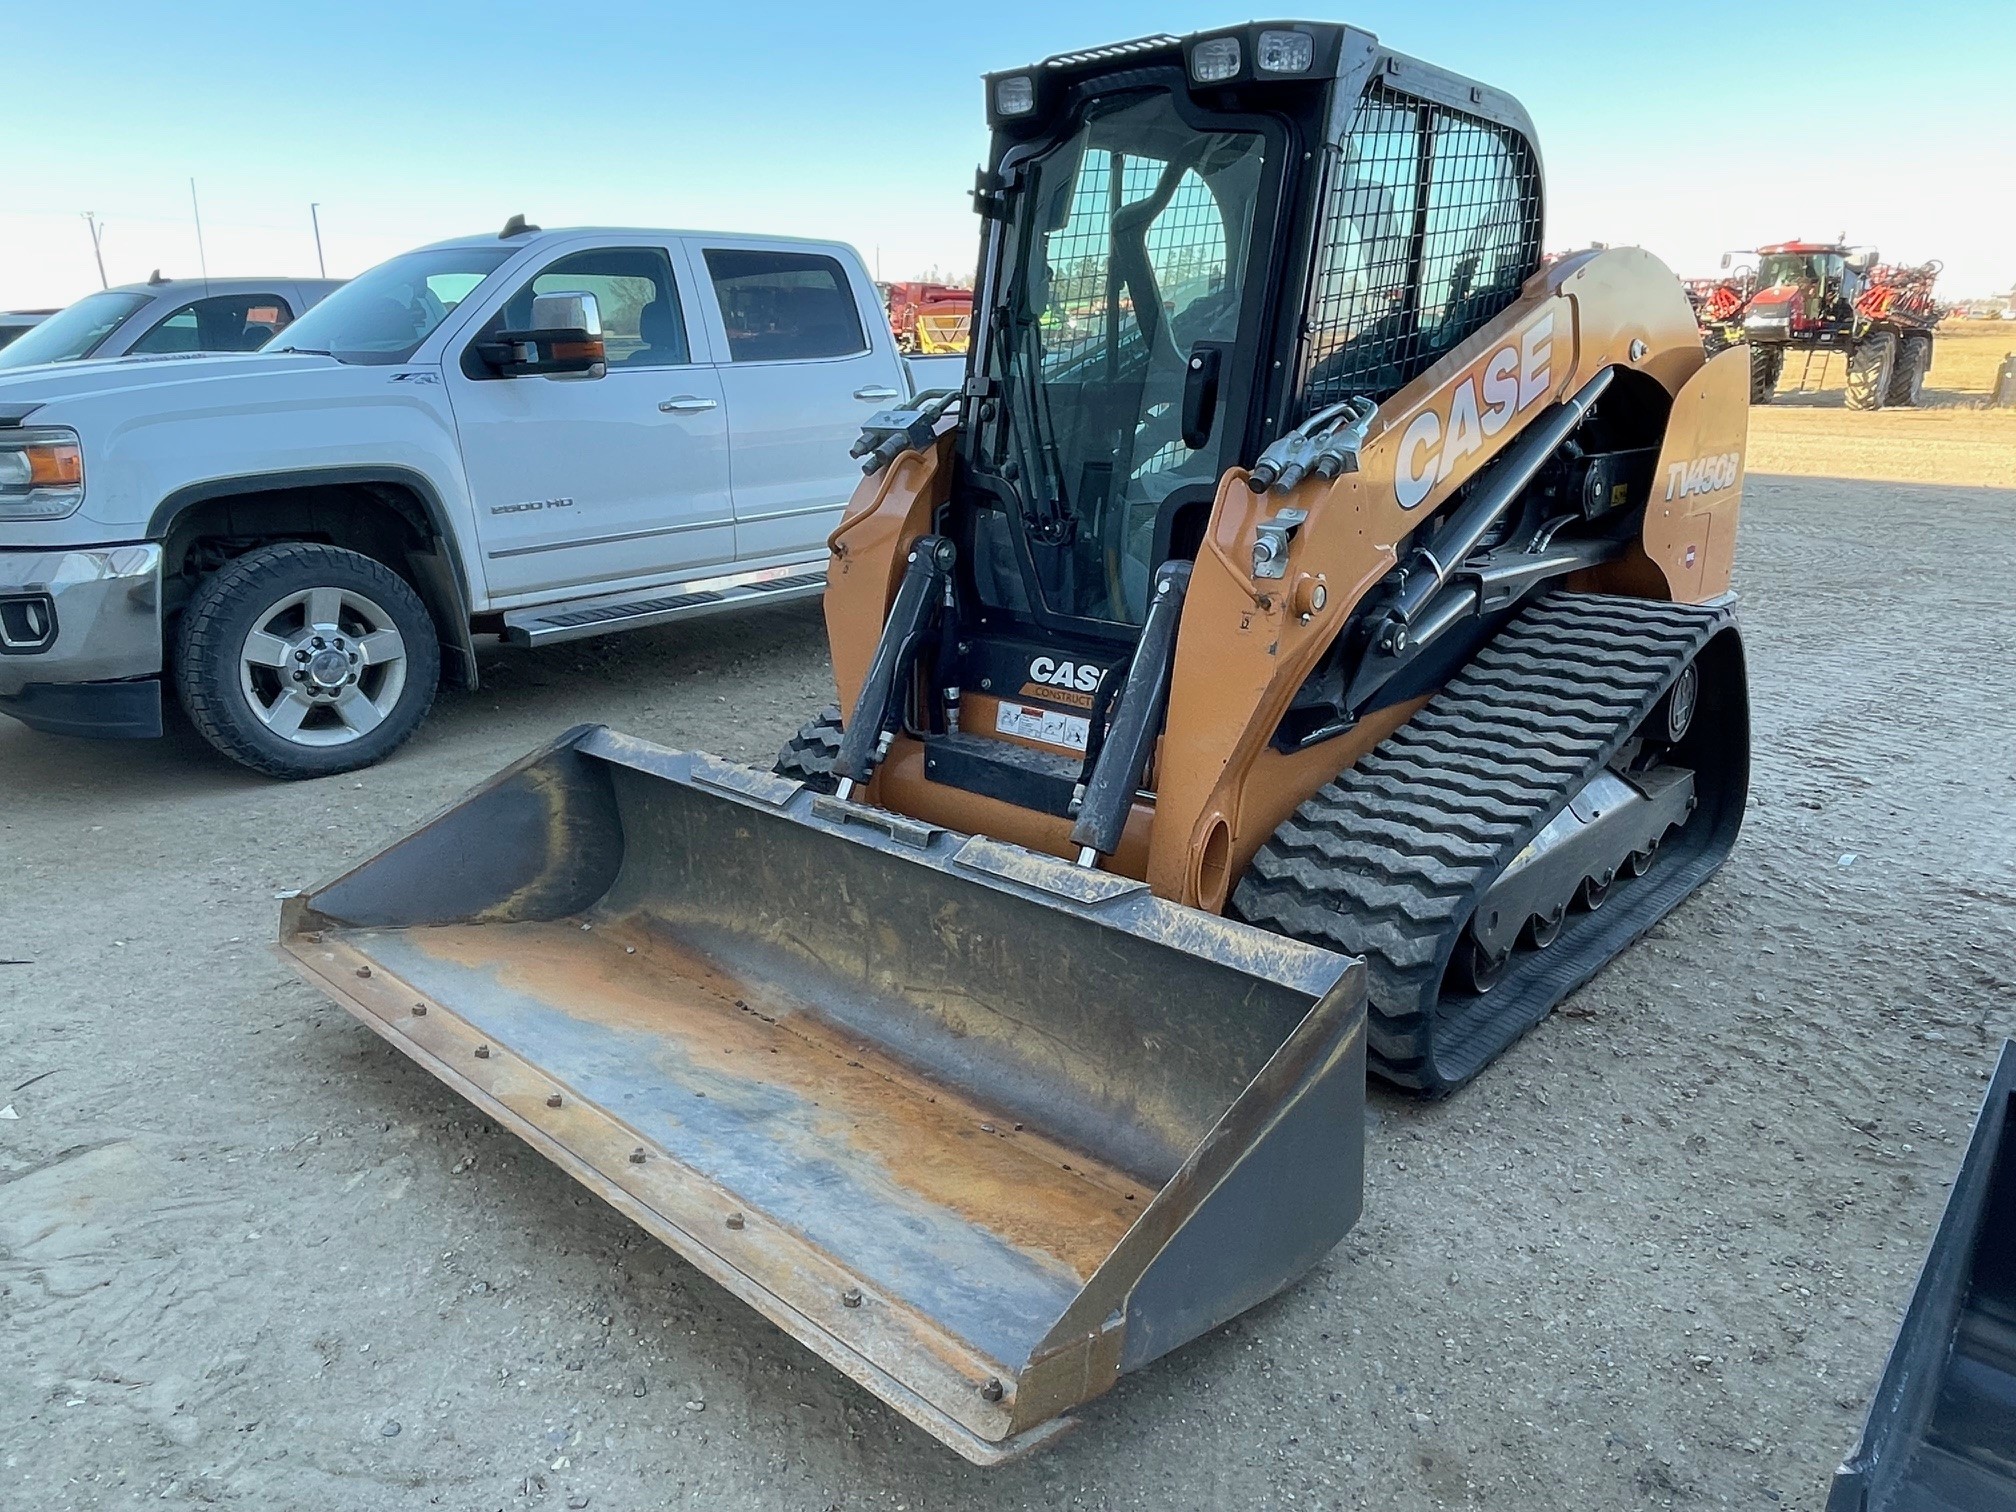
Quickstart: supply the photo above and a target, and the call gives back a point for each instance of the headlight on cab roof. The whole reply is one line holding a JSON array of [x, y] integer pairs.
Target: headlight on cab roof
[[41, 473], [1284, 52], [1014, 96], [1215, 61]]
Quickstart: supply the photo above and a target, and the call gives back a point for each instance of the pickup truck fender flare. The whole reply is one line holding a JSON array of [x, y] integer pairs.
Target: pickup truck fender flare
[[451, 585]]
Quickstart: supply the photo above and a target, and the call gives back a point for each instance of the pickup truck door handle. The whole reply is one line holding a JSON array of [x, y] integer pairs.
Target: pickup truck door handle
[[687, 404], [877, 395]]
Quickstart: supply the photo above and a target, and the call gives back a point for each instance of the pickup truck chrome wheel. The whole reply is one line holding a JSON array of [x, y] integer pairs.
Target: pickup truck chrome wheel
[[323, 667], [303, 659]]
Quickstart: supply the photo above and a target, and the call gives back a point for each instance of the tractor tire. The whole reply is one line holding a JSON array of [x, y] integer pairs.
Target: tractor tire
[[1870, 368], [1907, 379], [303, 660], [809, 755], [1766, 363]]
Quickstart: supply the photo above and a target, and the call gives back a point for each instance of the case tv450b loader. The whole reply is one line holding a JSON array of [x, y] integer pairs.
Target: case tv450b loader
[[1304, 637]]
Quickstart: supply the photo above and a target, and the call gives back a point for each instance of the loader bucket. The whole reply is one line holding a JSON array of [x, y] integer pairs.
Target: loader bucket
[[983, 1129], [1941, 1435]]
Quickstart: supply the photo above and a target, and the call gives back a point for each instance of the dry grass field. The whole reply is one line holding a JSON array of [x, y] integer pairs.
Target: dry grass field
[[1952, 438]]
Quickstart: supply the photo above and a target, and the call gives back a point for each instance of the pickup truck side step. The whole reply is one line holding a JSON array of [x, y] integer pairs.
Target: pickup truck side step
[[576, 619]]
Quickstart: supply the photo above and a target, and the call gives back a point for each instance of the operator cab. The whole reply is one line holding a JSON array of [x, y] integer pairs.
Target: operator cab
[[1190, 246], [1148, 318]]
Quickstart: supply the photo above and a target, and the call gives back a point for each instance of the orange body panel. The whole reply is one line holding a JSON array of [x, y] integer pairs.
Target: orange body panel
[[1690, 522], [888, 511], [1246, 645]]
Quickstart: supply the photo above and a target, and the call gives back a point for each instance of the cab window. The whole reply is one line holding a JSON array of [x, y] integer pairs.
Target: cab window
[[785, 306], [222, 323], [1433, 226], [643, 324]]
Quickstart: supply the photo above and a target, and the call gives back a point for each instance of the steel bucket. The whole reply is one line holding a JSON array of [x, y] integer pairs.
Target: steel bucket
[[982, 1128]]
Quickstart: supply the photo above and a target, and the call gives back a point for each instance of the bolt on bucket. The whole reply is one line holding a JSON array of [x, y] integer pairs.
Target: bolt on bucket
[[984, 1129]]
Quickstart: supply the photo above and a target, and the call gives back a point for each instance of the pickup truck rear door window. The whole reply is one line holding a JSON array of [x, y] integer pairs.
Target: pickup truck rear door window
[[784, 306], [221, 323], [802, 374]]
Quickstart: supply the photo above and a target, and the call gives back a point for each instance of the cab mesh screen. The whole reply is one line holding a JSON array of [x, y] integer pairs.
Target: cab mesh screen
[[1433, 225]]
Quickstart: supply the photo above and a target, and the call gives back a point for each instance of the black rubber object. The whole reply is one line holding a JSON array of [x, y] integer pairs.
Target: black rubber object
[[1907, 378], [1389, 861], [1870, 368], [98, 711], [1766, 362], [809, 755], [224, 609]]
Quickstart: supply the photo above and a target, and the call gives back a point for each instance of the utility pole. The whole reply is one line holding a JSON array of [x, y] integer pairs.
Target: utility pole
[[316, 221], [97, 251], [202, 262]]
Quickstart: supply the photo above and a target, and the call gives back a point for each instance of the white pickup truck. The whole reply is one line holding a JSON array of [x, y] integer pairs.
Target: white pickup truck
[[536, 436]]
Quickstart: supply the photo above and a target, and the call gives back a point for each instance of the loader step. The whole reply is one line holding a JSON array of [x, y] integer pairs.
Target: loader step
[[577, 619], [1391, 860]]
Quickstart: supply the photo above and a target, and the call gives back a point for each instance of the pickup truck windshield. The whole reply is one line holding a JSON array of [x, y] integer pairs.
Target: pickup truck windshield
[[73, 332], [382, 316]]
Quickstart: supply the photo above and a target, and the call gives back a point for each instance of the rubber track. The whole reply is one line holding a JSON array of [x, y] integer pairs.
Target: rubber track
[[809, 755], [1389, 860]]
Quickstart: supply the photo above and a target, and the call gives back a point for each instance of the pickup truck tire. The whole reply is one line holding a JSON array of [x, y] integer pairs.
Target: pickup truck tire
[[302, 660]]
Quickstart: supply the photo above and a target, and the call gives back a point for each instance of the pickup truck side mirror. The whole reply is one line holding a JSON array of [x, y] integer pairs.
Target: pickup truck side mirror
[[565, 337]]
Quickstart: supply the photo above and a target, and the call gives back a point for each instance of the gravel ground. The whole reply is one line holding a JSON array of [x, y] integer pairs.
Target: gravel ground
[[249, 1256]]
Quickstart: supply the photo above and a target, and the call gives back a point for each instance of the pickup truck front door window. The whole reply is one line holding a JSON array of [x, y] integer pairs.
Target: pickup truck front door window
[[617, 479], [802, 375]]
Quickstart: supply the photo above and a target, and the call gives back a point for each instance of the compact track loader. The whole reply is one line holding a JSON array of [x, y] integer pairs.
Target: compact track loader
[[1305, 636]]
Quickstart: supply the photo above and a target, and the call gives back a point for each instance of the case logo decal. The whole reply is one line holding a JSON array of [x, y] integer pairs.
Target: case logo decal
[[1510, 381]]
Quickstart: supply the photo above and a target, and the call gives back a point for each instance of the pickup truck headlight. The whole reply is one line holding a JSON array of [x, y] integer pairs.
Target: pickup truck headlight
[[41, 474]]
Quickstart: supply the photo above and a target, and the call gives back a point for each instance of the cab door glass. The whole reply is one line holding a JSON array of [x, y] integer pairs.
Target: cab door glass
[[785, 306], [643, 323], [1134, 236]]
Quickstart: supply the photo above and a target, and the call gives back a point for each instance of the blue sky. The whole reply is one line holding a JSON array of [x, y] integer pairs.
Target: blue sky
[[1685, 128]]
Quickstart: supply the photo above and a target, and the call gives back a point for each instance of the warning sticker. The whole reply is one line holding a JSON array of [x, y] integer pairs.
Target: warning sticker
[[1047, 725]]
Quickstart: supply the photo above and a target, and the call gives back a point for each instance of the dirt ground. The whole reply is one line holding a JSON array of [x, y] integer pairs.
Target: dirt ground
[[251, 1257]]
